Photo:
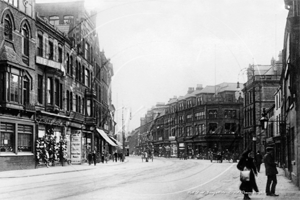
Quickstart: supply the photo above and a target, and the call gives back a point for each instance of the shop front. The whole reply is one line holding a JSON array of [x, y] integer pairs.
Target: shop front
[[17, 144]]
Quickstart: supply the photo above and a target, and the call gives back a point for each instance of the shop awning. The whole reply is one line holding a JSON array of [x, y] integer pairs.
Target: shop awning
[[116, 141], [106, 137]]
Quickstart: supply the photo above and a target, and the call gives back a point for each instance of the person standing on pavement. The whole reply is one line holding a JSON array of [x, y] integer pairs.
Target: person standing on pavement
[[247, 187], [116, 156], [90, 158], [258, 161], [271, 172], [94, 156]]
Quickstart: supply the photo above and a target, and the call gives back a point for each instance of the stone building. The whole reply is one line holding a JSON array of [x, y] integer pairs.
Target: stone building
[[262, 83]]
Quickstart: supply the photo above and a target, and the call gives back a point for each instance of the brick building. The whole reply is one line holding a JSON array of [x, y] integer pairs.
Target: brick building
[[55, 82], [205, 119]]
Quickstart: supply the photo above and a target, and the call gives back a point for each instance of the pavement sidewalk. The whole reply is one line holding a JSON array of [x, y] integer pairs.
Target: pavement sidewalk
[[43, 170]]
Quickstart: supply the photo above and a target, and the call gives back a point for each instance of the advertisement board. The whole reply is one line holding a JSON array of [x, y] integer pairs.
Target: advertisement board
[[76, 147]]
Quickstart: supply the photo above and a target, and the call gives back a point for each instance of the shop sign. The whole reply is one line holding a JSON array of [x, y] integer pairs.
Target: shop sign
[[181, 145], [76, 147]]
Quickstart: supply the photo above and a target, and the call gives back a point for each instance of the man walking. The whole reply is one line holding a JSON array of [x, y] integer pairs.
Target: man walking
[[271, 172], [258, 160]]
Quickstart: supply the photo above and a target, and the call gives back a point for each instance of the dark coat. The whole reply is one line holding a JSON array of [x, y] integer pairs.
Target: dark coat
[[245, 161], [259, 158], [270, 165]]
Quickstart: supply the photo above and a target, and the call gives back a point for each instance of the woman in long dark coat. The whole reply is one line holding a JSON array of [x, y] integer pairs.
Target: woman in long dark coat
[[247, 187]]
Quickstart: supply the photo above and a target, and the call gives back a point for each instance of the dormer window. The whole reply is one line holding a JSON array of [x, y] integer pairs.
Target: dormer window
[[54, 20]]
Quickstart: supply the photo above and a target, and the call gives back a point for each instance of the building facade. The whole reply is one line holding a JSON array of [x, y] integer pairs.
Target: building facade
[[204, 120], [55, 85]]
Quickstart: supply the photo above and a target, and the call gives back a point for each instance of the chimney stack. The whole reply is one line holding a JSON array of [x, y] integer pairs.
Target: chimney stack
[[191, 89]]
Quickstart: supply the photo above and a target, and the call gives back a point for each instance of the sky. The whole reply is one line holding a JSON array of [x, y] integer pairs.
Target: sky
[[160, 48]]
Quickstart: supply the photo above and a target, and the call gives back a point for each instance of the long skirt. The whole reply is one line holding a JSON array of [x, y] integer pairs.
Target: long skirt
[[249, 186]]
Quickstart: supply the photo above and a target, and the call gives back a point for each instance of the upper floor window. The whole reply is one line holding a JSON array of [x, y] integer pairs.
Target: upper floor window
[[51, 50], [12, 2], [40, 45], [212, 114], [25, 40], [8, 28], [230, 114], [87, 51], [68, 64], [54, 20], [59, 54], [40, 89], [68, 19]]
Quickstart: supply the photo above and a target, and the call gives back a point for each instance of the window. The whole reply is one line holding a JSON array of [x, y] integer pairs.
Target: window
[[68, 64], [87, 77], [54, 20], [79, 72], [2, 86], [26, 91], [56, 92], [51, 50], [15, 84], [68, 19], [59, 54], [40, 89], [25, 138], [212, 114], [49, 91], [7, 28], [212, 127], [71, 65], [230, 128], [25, 40], [7, 134], [230, 114], [82, 74], [87, 51], [71, 101], [68, 100], [40, 45]]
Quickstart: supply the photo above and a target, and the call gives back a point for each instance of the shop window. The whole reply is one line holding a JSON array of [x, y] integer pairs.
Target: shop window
[[25, 40], [54, 20], [40, 89], [8, 28], [7, 134], [25, 138]]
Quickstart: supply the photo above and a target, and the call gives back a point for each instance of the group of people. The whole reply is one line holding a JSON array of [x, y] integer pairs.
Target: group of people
[[247, 163]]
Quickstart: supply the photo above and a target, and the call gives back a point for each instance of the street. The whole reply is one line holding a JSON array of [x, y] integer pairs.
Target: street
[[161, 179]]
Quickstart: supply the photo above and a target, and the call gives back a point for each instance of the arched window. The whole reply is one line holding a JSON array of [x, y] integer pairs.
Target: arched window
[[26, 91], [7, 28], [25, 40]]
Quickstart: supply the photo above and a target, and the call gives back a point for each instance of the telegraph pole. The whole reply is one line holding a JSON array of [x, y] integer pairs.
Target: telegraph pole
[[123, 134]]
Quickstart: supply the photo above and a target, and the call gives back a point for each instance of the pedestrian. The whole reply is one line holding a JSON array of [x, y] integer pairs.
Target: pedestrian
[[90, 158], [271, 172], [102, 157], [116, 156], [94, 156], [258, 161], [246, 163]]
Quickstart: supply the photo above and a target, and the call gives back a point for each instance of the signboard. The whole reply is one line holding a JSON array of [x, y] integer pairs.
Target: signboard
[[76, 147], [181, 145]]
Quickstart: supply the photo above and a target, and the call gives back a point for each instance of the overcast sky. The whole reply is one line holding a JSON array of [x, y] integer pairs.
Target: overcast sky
[[159, 48]]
